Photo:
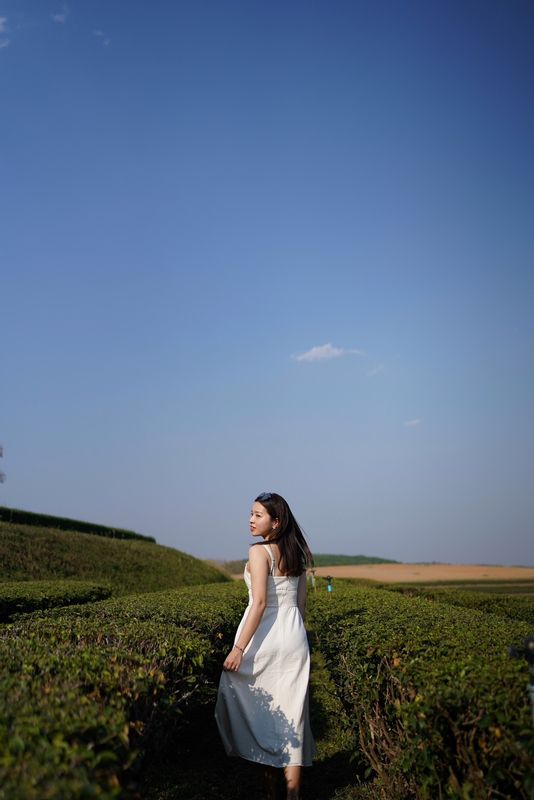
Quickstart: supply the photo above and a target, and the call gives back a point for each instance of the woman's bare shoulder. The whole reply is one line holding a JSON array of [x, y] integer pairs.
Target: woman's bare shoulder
[[256, 553], [258, 557]]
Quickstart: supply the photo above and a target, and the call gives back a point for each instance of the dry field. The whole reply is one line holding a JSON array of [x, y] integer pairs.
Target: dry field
[[423, 573]]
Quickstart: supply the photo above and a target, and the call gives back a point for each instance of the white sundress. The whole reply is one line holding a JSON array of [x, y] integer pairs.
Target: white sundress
[[262, 710]]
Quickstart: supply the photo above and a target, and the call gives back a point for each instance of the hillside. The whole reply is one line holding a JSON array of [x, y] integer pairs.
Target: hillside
[[20, 517], [320, 560], [33, 553]]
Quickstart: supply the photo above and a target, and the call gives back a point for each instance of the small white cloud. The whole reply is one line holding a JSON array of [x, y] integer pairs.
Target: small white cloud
[[375, 370], [320, 353], [412, 423], [325, 352], [105, 40], [61, 16], [3, 28]]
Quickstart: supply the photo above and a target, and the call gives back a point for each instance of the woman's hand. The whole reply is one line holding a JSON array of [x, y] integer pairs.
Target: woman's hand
[[233, 660]]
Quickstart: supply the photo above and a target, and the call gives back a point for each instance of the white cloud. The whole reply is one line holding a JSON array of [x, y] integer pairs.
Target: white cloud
[[375, 370], [325, 352], [61, 16], [3, 42], [412, 423], [102, 36]]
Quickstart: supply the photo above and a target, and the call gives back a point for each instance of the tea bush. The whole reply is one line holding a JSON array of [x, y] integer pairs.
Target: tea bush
[[32, 553], [514, 608], [439, 708], [17, 516], [22, 597], [86, 691]]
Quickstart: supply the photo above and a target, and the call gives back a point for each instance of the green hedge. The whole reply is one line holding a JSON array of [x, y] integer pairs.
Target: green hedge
[[513, 608], [438, 706], [20, 517], [31, 553], [87, 691], [22, 597]]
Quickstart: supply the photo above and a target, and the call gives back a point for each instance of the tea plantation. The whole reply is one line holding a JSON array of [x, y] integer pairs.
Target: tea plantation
[[30, 552], [411, 697]]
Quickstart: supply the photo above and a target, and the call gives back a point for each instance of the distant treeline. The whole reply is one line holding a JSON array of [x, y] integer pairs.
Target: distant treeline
[[326, 560], [319, 559], [65, 524]]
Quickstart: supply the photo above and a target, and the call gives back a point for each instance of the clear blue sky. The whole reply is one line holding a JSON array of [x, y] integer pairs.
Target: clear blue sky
[[283, 246]]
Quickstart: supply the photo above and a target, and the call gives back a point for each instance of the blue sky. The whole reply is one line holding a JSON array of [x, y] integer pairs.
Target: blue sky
[[283, 246]]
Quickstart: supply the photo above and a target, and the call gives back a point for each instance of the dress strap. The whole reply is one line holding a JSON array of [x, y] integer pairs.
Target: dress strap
[[273, 560]]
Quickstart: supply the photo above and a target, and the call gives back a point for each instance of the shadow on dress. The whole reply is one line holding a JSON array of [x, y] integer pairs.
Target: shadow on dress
[[258, 725]]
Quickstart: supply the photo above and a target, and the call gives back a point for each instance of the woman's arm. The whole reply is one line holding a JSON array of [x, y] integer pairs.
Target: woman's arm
[[259, 570], [301, 594]]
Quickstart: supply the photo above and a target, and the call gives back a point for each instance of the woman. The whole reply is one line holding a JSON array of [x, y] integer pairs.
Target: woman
[[262, 706]]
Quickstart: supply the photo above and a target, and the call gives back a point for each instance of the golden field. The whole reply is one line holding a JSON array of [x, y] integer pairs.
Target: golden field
[[423, 573]]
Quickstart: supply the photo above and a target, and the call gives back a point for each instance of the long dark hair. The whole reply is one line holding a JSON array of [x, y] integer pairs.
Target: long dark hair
[[295, 555]]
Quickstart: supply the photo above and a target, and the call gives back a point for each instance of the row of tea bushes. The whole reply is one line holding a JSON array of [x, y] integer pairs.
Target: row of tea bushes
[[439, 708], [513, 608], [31, 553], [20, 517], [23, 597], [86, 691]]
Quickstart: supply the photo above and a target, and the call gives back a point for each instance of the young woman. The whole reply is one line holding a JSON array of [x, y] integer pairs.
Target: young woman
[[262, 706]]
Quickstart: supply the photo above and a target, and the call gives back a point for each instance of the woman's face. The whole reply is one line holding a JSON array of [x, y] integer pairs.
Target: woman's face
[[261, 524]]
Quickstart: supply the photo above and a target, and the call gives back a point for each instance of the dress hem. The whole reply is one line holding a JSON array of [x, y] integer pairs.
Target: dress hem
[[268, 763]]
